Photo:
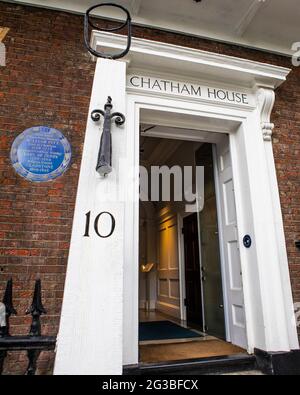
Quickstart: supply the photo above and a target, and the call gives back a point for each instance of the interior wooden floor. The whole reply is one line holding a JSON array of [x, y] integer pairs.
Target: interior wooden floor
[[154, 315], [183, 349]]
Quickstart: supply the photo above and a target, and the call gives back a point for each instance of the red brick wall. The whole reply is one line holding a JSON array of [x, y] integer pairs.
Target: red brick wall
[[47, 81]]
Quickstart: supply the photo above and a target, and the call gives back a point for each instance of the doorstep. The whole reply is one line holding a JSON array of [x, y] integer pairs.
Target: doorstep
[[204, 366]]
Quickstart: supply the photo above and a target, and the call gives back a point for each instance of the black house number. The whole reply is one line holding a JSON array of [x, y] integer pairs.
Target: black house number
[[97, 225]]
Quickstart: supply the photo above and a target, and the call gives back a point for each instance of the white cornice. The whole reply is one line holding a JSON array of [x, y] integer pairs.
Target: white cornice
[[157, 56]]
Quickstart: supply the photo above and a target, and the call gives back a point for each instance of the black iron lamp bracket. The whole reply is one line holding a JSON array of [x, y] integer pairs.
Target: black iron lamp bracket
[[104, 162], [89, 24]]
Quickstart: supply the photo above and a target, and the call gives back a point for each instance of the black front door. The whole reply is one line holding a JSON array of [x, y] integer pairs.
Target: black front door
[[192, 271]]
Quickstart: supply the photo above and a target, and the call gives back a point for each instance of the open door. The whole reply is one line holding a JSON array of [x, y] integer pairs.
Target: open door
[[232, 263], [168, 299], [210, 249], [193, 299]]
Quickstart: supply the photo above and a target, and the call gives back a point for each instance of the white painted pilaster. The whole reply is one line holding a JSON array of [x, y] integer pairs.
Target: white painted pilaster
[[268, 299], [266, 98], [90, 337]]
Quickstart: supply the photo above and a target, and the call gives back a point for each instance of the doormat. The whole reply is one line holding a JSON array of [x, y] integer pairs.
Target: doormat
[[164, 330], [190, 350]]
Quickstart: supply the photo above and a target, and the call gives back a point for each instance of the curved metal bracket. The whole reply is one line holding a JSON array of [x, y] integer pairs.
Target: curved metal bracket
[[88, 23]]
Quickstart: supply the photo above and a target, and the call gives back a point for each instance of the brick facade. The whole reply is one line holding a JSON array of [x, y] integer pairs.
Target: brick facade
[[47, 81]]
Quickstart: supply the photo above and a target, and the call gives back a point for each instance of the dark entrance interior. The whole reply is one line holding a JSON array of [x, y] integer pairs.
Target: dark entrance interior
[[193, 299]]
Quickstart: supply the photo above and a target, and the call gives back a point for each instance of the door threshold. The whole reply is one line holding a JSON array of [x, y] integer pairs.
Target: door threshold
[[201, 366], [176, 341]]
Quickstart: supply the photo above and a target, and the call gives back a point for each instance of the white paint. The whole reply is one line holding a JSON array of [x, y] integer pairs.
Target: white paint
[[191, 64], [209, 19], [221, 238], [2, 315], [253, 216], [90, 336], [249, 16], [192, 91], [267, 100], [135, 6], [229, 243]]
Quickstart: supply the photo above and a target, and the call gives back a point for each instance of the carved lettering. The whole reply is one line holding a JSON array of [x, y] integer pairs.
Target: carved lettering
[[188, 89]]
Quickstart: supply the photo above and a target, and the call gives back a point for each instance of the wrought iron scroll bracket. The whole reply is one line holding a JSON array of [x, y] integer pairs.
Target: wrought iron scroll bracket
[[88, 23], [104, 162]]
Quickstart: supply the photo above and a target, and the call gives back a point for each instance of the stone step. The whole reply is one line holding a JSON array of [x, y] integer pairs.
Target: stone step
[[214, 366]]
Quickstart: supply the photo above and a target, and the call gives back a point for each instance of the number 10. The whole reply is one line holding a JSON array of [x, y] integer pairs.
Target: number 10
[[96, 225]]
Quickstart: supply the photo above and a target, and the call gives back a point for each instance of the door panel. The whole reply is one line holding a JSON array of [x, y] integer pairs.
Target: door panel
[[192, 271], [168, 298], [231, 247], [210, 251]]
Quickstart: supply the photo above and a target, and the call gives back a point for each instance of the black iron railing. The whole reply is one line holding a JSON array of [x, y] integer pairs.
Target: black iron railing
[[34, 343]]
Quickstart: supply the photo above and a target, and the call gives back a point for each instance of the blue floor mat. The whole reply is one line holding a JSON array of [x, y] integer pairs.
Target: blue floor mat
[[163, 330]]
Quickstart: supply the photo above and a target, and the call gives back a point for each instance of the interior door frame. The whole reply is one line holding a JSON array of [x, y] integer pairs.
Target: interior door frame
[[221, 241], [183, 307]]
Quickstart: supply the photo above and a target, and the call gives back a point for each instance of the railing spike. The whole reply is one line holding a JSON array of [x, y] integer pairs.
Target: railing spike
[[3, 355], [34, 343], [9, 308], [36, 310]]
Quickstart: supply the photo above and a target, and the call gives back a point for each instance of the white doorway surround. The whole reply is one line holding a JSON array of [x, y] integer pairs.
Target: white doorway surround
[[175, 87]]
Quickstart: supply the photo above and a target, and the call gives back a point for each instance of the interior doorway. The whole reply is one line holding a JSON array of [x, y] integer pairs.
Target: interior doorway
[[193, 294], [183, 283]]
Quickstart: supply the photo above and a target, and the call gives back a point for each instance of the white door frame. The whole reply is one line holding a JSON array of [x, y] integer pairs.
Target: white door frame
[[223, 94], [245, 136]]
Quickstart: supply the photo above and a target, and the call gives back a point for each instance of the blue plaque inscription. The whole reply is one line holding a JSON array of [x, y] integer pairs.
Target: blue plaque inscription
[[41, 154]]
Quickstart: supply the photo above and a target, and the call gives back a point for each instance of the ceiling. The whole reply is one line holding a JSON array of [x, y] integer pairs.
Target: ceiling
[[158, 143], [254, 23]]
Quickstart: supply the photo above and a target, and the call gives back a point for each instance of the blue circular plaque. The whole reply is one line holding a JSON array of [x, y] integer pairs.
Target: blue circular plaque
[[41, 154]]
